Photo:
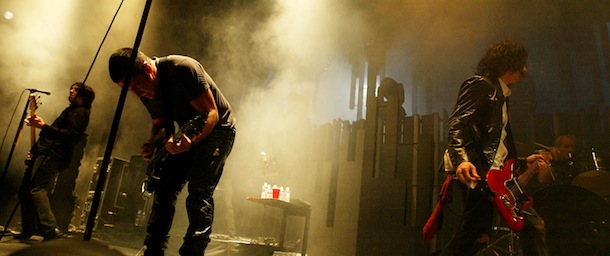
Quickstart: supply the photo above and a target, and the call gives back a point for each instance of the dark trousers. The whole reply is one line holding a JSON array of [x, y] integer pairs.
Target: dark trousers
[[36, 215], [477, 221], [202, 167]]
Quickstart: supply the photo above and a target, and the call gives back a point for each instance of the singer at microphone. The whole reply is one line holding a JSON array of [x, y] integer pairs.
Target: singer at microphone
[[36, 90], [52, 153]]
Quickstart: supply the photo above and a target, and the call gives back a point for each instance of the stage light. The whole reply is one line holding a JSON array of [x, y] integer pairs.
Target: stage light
[[8, 15], [264, 155]]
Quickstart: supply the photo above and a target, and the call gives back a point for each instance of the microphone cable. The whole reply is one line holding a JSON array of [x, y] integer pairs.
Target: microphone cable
[[102, 43]]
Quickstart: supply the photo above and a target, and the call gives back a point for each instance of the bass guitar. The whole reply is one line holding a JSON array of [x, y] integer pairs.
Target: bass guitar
[[33, 105], [158, 161], [509, 197]]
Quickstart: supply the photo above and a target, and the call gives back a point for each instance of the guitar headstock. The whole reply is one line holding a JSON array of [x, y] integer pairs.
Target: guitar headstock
[[34, 102]]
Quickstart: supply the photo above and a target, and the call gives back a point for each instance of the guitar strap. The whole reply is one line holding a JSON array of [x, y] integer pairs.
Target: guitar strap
[[165, 82]]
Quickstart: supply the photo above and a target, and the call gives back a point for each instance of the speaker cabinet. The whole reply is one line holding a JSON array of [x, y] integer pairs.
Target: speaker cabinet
[[124, 209]]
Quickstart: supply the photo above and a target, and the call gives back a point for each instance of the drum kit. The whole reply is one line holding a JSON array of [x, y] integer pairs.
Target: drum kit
[[577, 212]]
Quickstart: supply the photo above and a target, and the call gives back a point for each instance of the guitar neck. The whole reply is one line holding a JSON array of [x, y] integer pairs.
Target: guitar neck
[[32, 136], [525, 177], [32, 113]]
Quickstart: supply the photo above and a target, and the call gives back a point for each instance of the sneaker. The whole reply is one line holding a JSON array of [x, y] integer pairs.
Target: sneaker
[[27, 237], [56, 234], [22, 236]]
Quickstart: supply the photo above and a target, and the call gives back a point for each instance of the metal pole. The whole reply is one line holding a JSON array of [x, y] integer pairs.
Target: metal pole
[[15, 142], [115, 126]]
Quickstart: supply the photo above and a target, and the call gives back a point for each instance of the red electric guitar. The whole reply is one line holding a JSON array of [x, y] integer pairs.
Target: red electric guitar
[[509, 197]]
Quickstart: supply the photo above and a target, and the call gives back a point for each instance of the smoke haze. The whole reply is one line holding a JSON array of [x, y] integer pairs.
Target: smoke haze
[[285, 66]]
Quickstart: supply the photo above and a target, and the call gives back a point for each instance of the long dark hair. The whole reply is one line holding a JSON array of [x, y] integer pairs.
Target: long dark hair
[[86, 93]]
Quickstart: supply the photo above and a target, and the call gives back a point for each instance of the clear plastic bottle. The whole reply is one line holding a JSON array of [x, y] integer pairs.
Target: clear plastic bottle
[[269, 192], [264, 190]]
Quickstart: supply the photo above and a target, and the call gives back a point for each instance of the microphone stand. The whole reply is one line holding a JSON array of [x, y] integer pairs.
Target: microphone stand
[[101, 180], [15, 142]]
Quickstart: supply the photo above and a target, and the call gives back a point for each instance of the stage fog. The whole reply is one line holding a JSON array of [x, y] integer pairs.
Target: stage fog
[[288, 69]]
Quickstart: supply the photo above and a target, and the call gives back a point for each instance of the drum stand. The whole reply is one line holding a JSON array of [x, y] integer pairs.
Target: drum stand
[[504, 241]]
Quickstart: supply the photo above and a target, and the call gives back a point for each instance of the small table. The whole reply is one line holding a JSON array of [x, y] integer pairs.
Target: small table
[[296, 207]]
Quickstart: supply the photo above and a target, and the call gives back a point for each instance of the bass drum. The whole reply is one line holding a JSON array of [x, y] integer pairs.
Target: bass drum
[[577, 220]]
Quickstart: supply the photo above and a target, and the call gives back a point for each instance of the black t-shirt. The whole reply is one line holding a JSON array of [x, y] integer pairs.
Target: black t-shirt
[[182, 79]]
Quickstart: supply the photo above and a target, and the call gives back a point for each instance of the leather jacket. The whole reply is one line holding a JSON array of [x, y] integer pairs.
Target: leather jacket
[[475, 126]]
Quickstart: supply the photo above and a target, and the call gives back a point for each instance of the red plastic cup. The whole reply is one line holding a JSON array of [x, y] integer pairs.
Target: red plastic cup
[[276, 193]]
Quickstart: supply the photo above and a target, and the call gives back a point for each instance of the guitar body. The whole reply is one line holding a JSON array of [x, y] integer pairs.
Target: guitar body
[[158, 161], [509, 199], [154, 170]]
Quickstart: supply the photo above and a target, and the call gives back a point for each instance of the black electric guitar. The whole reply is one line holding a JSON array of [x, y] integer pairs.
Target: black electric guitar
[[157, 162]]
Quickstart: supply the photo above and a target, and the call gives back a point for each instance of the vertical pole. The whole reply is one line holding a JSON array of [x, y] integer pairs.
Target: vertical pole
[[15, 142], [101, 180]]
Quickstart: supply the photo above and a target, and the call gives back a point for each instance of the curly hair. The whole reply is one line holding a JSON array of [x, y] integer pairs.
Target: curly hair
[[501, 57], [119, 61]]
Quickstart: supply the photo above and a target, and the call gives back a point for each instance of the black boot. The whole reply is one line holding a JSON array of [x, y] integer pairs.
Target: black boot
[[155, 246]]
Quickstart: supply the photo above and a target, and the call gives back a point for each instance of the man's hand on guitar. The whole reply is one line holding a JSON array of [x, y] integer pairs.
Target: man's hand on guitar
[[146, 151], [182, 145], [537, 162], [34, 121], [466, 172]]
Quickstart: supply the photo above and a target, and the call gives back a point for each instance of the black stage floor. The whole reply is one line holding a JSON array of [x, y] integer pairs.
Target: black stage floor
[[76, 246]]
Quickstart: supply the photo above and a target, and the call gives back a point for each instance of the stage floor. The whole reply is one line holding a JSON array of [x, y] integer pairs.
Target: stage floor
[[74, 246], [77, 246]]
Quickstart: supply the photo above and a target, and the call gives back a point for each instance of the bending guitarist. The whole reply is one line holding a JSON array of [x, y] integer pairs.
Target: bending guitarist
[[480, 139], [177, 89], [51, 154]]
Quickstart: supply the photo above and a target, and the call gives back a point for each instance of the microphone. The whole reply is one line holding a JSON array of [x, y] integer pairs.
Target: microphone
[[35, 90]]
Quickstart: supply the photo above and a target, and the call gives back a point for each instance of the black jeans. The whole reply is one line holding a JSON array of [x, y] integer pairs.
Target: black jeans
[[477, 221], [202, 167], [37, 218]]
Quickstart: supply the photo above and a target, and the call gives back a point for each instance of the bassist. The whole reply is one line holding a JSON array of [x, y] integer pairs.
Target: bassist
[[51, 154]]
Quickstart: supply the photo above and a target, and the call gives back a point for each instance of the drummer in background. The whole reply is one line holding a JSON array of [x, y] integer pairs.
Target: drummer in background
[[565, 145], [563, 169]]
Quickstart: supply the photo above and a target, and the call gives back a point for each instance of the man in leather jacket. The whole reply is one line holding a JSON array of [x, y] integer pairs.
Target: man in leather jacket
[[480, 139]]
